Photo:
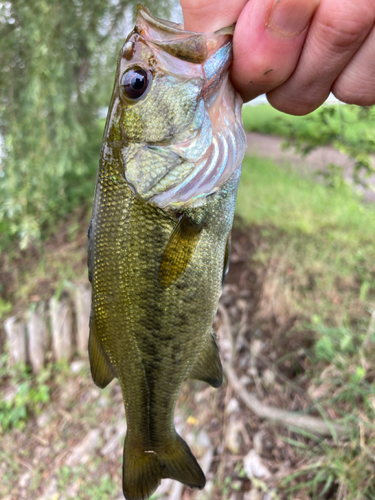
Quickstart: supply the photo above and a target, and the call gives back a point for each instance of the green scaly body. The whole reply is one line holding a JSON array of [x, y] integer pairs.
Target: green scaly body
[[152, 336], [157, 273]]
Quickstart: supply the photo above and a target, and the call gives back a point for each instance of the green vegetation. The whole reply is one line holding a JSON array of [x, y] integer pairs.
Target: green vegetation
[[323, 236], [102, 487], [342, 382], [350, 121], [349, 129], [5, 307], [74, 408], [26, 395], [265, 119], [58, 63], [271, 195], [317, 246]]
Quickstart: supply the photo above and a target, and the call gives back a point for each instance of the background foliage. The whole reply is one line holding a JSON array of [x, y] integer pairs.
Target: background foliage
[[306, 267], [58, 59], [349, 129]]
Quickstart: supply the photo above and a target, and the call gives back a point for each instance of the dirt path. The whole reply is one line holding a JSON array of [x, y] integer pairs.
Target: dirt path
[[267, 146]]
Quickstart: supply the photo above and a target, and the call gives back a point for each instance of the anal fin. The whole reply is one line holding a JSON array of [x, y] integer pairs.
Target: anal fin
[[101, 371], [180, 464], [179, 251], [208, 366]]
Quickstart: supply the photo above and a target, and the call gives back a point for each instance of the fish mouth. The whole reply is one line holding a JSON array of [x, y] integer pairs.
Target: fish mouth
[[189, 46]]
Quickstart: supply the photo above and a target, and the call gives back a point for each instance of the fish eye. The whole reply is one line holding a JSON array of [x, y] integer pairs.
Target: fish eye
[[134, 82]]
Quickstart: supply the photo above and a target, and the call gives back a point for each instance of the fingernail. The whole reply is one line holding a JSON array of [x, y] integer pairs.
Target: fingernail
[[290, 17]]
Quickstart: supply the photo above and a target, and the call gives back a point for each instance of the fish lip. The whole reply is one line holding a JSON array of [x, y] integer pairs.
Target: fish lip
[[174, 28], [191, 46], [161, 24]]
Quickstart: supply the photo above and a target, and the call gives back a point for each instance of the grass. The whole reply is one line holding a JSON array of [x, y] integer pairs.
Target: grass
[[352, 122], [42, 270], [28, 396], [271, 195], [71, 480], [348, 129], [343, 385], [321, 239], [265, 119], [317, 246]]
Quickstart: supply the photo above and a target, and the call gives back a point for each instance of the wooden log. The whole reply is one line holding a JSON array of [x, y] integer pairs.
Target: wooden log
[[37, 336], [61, 328], [2, 338], [15, 330], [82, 301]]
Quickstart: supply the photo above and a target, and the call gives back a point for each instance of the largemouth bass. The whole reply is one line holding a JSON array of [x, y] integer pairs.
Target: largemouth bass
[[159, 237]]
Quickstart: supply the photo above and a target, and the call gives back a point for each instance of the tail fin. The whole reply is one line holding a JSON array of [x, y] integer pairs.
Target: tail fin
[[180, 464], [141, 473], [143, 470]]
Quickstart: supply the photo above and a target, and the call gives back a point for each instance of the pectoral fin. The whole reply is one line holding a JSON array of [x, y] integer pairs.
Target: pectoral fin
[[101, 371], [179, 251], [208, 367]]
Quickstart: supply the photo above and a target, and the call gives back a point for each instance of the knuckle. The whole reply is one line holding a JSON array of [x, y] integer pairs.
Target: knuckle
[[347, 32], [293, 104], [358, 94]]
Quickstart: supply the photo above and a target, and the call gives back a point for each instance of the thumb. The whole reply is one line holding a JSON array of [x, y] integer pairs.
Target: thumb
[[268, 40], [210, 15]]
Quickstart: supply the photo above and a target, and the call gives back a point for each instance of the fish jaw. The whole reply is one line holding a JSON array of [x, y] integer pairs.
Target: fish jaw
[[171, 37]]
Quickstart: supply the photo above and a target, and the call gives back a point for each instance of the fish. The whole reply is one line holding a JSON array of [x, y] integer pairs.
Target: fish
[[159, 236]]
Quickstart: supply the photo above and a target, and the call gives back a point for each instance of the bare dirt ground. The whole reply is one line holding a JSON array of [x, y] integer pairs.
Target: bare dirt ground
[[267, 146]]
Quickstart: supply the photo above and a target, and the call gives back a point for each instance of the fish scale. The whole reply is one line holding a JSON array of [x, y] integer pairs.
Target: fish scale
[[157, 272]]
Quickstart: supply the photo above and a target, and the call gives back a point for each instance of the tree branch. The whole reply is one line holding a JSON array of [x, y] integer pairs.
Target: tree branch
[[305, 422]]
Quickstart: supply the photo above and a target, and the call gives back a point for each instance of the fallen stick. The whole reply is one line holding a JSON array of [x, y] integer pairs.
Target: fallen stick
[[305, 422], [312, 424]]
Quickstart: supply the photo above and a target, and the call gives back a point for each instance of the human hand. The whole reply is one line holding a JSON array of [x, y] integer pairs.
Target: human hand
[[295, 51]]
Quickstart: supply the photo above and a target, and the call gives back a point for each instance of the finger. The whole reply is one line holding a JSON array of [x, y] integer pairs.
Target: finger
[[336, 32], [210, 15], [356, 83], [268, 39]]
